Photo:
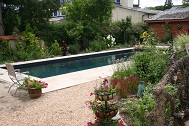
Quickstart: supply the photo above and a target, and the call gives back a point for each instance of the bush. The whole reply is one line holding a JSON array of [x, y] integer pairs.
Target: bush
[[73, 49], [137, 109], [55, 49], [6, 52], [151, 65], [180, 41], [96, 45]]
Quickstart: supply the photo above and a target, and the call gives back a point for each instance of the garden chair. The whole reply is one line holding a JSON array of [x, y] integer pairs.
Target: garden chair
[[16, 76]]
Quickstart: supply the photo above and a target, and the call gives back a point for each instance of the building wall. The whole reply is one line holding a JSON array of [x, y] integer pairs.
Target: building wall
[[119, 13], [176, 27]]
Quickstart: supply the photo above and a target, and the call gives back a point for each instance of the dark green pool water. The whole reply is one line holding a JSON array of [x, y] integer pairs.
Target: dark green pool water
[[54, 69]]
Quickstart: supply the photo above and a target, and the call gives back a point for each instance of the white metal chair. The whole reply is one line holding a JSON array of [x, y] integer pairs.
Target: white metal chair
[[16, 76]]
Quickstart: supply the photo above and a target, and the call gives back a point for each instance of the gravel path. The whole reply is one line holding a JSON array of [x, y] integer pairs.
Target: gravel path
[[65, 107]]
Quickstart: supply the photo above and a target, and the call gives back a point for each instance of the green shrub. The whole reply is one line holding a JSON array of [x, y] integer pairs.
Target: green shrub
[[73, 49], [122, 70], [6, 51], [96, 45], [151, 65], [55, 49], [137, 109], [180, 41], [149, 38]]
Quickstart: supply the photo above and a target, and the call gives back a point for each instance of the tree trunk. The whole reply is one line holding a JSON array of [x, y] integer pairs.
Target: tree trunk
[[1, 22]]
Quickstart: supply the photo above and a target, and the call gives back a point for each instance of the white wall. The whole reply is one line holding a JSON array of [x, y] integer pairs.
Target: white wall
[[126, 3], [119, 13]]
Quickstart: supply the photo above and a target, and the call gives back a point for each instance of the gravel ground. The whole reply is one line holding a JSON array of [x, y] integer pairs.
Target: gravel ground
[[65, 107]]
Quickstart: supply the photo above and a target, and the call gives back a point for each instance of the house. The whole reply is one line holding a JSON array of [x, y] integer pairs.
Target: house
[[176, 19], [125, 8]]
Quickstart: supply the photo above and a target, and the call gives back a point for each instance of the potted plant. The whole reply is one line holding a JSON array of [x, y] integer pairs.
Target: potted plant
[[103, 110], [34, 87], [105, 92]]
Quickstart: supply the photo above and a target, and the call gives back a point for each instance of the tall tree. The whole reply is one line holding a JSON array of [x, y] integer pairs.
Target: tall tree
[[1, 22], [185, 3], [19, 13]]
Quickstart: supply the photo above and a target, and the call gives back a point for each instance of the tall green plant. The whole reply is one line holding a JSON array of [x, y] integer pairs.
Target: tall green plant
[[151, 64], [180, 41], [6, 52], [138, 109]]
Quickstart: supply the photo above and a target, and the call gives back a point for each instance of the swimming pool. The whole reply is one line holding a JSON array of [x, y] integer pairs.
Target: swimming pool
[[66, 64]]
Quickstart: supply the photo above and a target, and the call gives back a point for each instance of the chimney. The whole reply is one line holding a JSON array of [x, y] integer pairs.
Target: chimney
[[126, 3]]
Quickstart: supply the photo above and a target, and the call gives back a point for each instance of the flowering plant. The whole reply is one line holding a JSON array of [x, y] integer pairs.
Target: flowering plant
[[110, 41], [97, 105], [34, 83], [105, 88]]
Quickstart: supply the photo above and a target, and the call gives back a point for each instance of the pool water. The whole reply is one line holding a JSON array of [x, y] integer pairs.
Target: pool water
[[64, 67]]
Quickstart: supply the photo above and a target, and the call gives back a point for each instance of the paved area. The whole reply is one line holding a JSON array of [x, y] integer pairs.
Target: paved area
[[70, 79]]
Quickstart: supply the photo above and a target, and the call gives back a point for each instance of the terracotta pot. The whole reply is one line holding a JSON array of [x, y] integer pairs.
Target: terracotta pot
[[106, 114], [105, 97], [34, 93]]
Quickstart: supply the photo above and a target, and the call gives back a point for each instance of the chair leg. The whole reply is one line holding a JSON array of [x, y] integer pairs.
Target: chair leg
[[10, 87], [16, 90]]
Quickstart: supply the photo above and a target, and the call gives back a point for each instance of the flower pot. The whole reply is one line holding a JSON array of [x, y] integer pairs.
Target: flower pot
[[105, 97], [106, 113], [34, 93]]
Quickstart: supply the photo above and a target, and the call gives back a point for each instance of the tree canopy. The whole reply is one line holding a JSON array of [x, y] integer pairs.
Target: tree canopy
[[19, 13]]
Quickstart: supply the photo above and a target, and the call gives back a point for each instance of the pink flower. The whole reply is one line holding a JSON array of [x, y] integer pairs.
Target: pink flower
[[63, 41], [105, 80], [90, 123], [89, 106], [111, 101], [106, 87], [91, 94]]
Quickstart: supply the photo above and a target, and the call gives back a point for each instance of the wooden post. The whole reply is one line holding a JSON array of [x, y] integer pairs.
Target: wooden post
[[187, 48]]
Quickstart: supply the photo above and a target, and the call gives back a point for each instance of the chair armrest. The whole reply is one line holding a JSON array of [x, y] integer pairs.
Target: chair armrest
[[26, 72], [17, 70]]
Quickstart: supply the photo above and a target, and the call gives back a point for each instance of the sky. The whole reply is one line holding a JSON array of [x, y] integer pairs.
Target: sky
[[153, 3]]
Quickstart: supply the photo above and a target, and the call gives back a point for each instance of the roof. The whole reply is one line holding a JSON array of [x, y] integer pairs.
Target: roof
[[147, 11], [174, 13]]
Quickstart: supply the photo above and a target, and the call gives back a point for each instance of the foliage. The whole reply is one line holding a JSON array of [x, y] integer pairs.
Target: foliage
[[105, 88], [123, 69], [185, 3], [19, 13], [30, 47], [137, 109], [6, 51], [172, 90], [127, 33], [101, 106], [97, 45], [110, 41], [120, 30], [56, 31], [79, 12], [87, 22], [55, 49], [167, 36], [29, 83], [74, 48], [180, 41], [149, 38], [151, 64], [126, 86]]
